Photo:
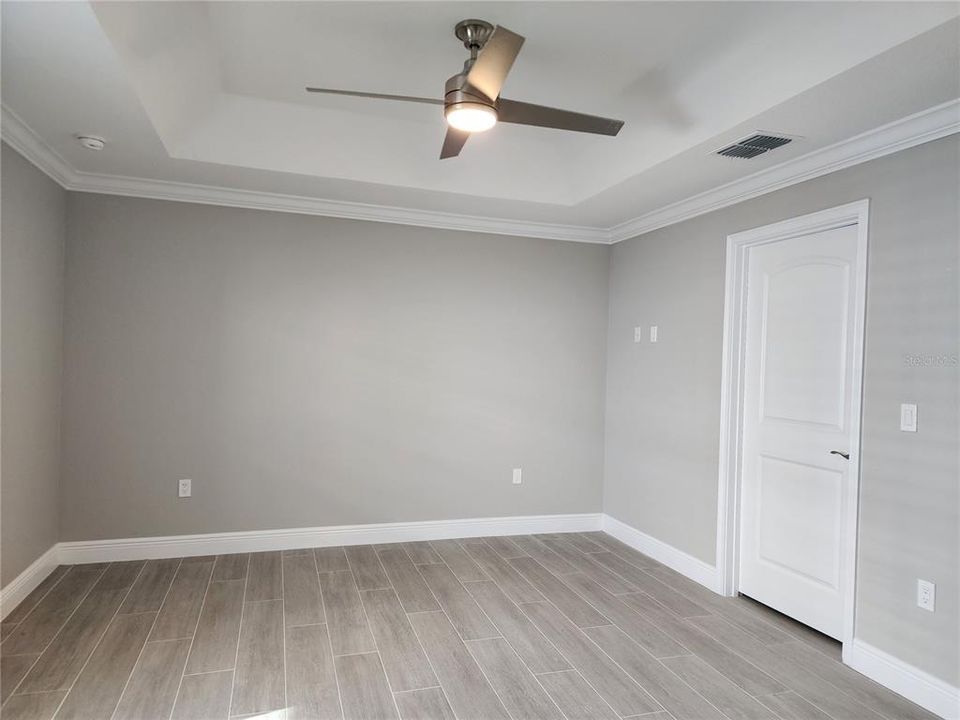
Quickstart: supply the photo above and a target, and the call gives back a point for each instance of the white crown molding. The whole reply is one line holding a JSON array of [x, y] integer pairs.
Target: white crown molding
[[148, 548], [930, 124], [16, 591]]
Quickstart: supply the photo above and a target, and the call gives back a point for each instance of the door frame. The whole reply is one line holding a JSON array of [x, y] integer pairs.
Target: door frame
[[732, 387]]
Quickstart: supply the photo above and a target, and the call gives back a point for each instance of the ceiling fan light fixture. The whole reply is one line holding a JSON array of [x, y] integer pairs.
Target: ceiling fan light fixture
[[470, 116]]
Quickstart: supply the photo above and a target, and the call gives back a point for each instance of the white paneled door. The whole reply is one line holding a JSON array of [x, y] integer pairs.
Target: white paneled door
[[799, 424]]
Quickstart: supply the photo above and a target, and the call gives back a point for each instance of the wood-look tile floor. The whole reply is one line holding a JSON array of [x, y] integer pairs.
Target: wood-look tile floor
[[575, 626]]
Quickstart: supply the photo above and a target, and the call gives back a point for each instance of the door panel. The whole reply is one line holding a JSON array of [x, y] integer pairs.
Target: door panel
[[801, 382], [792, 495], [798, 365]]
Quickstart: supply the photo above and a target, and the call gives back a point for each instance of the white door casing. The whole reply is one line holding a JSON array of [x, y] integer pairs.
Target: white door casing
[[793, 355]]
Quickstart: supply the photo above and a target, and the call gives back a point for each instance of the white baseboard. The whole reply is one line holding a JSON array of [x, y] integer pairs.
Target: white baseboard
[[147, 548], [927, 691], [25, 583], [685, 564]]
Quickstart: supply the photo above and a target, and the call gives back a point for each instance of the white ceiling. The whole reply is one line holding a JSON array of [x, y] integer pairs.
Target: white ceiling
[[212, 93]]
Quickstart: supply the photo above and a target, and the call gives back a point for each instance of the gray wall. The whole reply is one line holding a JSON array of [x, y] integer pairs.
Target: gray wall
[[309, 371], [663, 400], [31, 255]]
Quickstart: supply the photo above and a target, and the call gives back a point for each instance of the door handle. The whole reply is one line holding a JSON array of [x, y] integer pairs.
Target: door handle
[[845, 456]]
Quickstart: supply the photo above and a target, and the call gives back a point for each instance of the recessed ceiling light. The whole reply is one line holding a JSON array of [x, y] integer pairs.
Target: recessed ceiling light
[[91, 142]]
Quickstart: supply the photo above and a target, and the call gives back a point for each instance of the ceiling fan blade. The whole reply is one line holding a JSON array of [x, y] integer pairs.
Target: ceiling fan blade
[[453, 143], [494, 62], [521, 113], [377, 96]]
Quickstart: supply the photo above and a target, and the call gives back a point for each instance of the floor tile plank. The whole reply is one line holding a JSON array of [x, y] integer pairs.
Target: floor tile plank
[[682, 701], [346, 620], [215, 640], [12, 670], [204, 697], [181, 608], [538, 653], [582, 562], [363, 688], [466, 688], [301, 591], [613, 684], [516, 686], [331, 559], [720, 692], [151, 587], [403, 660], [152, 688], [120, 574], [581, 542], [640, 630], [502, 573], [667, 596], [428, 704], [231, 567], [504, 546], [717, 654], [311, 681], [551, 560], [857, 686], [468, 619], [98, 688], [579, 611], [574, 696], [421, 553], [366, 567], [63, 659], [258, 681], [412, 591], [459, 561], [36, 631], [38, 706], [264, 577], [21, 611], [794, 675], [790, 706]]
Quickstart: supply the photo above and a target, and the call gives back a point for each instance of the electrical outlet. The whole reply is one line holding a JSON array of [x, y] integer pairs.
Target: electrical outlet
[[637, 334], [926, 595], [654, 332], [517, 476], [184, 488]]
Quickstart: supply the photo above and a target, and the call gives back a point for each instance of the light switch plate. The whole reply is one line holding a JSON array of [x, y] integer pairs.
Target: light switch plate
[[637, 334], [908, 417], [653, 333], [517, 476]]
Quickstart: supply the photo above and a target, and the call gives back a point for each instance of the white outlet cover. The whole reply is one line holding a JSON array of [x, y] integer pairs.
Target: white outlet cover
[[653, 333], [184, 488], [926, 595], [637, 334], [517, 476]]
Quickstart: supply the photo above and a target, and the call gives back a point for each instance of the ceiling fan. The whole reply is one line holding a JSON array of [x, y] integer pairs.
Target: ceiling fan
[[472, 102]]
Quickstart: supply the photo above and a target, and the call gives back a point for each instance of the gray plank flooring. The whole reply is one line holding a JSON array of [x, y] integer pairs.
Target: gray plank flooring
[[558, 626]]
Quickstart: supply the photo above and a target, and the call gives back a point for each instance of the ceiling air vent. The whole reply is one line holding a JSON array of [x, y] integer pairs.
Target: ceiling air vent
[[754, 145]]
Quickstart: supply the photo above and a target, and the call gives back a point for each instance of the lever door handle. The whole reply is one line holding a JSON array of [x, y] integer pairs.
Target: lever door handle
[[845, 456]]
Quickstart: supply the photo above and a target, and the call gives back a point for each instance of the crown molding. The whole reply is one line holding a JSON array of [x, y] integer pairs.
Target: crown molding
[[931, 124]]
